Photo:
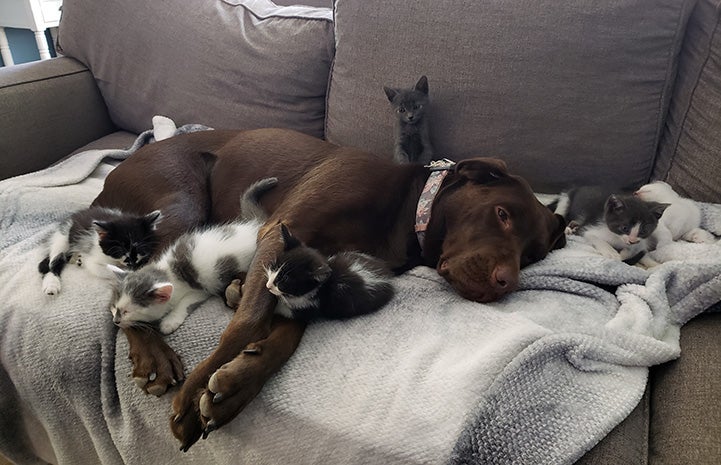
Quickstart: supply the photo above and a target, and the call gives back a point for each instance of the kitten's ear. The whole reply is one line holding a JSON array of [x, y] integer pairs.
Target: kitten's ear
[[102, 228], [288, 239], [658, 208], [161, 292], [118, 272], [322, 273], [614, 203], [390, 93], [422, 85], [482, 170], [153, 218]]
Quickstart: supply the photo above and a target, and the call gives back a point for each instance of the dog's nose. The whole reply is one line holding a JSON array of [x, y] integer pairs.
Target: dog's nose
[[504, 278]]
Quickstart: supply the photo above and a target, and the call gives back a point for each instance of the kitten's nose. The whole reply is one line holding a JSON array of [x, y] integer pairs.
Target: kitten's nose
[[116, 318]]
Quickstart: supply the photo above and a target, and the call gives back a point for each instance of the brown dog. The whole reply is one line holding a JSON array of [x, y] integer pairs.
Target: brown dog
[[485, 224]]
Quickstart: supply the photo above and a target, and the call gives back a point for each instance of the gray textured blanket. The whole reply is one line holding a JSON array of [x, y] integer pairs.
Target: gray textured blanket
[[538, 377]]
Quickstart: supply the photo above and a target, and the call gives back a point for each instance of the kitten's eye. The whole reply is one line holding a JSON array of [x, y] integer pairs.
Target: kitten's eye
[[401, 110], [415, 107], [625, 229]]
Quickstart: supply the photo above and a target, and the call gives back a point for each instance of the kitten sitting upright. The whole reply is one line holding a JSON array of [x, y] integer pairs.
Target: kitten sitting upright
[[617, 225], [96, 237], [310, 286], [681, 220], [199, 264], [412, 137]]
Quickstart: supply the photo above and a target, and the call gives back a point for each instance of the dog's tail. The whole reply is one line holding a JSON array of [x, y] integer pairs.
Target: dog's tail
[[250, 208]]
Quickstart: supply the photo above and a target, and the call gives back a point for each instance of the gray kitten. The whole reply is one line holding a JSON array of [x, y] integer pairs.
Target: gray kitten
[[412, 142]]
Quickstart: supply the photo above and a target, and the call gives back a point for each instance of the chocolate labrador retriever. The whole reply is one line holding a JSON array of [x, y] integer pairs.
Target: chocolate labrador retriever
[[485, 225]]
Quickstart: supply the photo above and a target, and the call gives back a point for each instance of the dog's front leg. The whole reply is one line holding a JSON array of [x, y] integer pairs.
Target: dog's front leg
[[251, 322]]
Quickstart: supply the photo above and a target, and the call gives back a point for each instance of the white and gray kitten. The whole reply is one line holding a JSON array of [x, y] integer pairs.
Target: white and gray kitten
[[96, 237], [619, 226], [682, 218], [199, 264], [310, 286]]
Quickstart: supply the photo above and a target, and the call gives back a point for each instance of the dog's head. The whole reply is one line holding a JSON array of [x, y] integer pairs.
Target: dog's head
[[486, 225]]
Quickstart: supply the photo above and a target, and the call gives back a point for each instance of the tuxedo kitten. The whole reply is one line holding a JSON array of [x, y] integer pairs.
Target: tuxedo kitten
[[199, 264], [412, 138], [617, 225], [310, 286], [96, 237], [682, 218]]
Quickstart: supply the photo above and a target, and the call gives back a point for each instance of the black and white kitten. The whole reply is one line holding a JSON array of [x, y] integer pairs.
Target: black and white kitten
[[310, 286], [199, 264], [412, 138], [619, 226], [96, 237]]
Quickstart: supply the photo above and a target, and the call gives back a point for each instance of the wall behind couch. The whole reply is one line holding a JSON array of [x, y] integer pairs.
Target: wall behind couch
[[23, 47]]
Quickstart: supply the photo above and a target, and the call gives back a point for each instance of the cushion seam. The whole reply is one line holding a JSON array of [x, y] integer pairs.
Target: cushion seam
[[56, 76]]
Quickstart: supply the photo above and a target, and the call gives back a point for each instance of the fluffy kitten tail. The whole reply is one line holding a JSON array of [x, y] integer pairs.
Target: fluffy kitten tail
[[250, 208]]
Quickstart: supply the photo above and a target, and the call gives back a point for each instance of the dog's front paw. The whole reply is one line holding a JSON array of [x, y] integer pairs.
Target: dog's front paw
[[51, 284], [185, 422], [156, 366], [232, 387]]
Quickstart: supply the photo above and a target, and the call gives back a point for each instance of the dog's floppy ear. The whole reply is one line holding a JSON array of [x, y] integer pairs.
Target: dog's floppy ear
[[482, 170]]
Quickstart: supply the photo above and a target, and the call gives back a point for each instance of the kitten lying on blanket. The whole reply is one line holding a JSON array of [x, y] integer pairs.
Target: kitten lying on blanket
[[309, 286], [412, 142], [198, 265], [617, 225], [682, 218], [96, 237]]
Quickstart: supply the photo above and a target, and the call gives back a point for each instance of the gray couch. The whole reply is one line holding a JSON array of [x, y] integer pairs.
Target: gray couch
[[566, 92]]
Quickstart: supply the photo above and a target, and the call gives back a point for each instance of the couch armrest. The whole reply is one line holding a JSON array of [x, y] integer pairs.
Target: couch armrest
[[48, 109]]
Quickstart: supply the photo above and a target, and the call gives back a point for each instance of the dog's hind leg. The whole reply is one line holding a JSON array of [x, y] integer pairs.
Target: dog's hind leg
[[251, 322]]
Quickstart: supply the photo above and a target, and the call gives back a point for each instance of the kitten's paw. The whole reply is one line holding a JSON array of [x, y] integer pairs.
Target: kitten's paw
[[170, 323], [572, 228], [699, 236], [233, 293], [51, 284], [612, 254]]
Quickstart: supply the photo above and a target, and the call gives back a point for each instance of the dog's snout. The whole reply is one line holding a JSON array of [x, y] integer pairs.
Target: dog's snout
[[504, 279]]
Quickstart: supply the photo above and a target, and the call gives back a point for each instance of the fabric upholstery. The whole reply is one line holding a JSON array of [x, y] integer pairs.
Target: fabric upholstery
[[564, 91], [627, 443], [690, 151], [227, 64], [680, 433], [39, 100]]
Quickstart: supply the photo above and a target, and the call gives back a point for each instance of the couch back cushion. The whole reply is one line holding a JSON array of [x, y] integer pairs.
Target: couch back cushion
[[226, 64], [690, 151], [566, 91]]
